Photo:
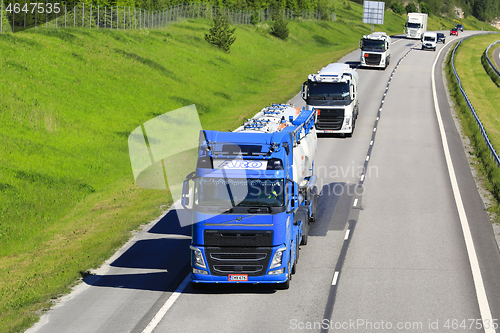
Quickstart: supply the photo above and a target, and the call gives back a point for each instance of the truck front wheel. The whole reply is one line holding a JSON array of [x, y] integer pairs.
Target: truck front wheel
[[285, 285]]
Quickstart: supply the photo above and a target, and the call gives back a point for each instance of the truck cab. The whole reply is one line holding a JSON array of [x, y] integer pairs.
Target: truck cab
[[375, 50], [333, 94]]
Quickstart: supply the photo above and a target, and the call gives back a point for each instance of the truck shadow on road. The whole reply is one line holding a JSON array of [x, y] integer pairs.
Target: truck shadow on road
[[334, 207], [154, 262]]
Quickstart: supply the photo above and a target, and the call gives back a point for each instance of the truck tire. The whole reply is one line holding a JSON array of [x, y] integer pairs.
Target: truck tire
[[349, 135], [285, 285], [314, 204], [302, 214]]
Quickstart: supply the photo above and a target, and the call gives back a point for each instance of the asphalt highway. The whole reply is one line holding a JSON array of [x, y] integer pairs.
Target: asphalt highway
[[402, 241]]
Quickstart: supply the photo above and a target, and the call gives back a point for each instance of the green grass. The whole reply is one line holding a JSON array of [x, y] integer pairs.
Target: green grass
[[70, 98], [484, 95]]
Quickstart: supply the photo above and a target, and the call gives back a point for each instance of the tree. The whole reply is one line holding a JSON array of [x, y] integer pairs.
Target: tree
[[425, 8], [280, 28], [398, 8], [220, 34], [411, 8]]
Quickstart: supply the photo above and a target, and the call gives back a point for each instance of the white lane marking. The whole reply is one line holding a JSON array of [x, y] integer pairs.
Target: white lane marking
[[355, 203], [346, 237], [482, 300], [362, 177], [335, 277], [371, 143], [367, 158], [170, 301], [374, 129]]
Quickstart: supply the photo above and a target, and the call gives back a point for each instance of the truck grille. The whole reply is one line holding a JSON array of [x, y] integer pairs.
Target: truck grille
[[373, 59], [330, 119], [238, 260], [238, 238]]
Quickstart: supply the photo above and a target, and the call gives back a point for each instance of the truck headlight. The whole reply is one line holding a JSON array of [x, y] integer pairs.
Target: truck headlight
[[198, 257], [199, 271], [277, 272], [277, 258]]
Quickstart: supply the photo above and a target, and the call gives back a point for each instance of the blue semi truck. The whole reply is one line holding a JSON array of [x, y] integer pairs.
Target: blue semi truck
[[252, 198]]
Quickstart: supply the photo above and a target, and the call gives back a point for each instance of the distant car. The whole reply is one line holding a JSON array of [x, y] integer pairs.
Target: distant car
[[441, 37], [454, 31], [460, 27]]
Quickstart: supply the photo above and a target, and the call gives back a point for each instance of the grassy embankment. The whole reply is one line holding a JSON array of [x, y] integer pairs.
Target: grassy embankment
[[70, 98], [484, 95]]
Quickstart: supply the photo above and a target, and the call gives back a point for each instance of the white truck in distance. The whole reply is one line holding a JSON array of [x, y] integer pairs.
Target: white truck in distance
[[333, 93], [416, 25], [375, 50]]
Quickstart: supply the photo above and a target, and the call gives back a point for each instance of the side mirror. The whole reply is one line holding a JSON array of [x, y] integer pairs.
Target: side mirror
[[360, 43], [292, 195], [186, 192], [304, 91], [287, 147]]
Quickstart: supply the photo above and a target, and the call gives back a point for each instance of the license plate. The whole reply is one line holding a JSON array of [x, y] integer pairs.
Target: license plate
[[328, 131], [237, 277]]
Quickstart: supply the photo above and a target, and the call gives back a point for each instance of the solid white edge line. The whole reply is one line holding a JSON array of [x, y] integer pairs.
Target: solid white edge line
[[346, 237], [482, 300], [170, 301], [335, 277]]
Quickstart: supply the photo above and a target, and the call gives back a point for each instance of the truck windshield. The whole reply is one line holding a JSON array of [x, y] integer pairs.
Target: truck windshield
[[414, 25], [328, 91], [373, 45], [239, 192]]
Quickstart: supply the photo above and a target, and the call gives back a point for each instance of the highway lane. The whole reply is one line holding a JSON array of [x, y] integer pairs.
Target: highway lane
[[406, 259]]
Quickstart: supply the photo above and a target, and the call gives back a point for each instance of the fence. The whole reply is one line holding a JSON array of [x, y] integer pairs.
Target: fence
[[493, 152], [492, 65], [17, 15]]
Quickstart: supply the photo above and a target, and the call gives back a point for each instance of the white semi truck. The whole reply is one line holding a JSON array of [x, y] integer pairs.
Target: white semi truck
[[416, 25], [375, 50], [333, 93]]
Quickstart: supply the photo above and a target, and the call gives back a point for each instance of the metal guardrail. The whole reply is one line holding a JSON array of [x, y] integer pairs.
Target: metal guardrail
[[492, 65], [18, 15], [493, 152]]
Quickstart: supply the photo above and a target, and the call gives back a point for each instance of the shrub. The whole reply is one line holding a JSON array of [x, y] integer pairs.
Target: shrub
[[221, 34], [398, 8], [255, 19], [280, 28], [411, 8], [425, 8]]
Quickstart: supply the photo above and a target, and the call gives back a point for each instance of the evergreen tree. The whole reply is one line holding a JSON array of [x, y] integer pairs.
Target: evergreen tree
[[280, 28], [220, 34]]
